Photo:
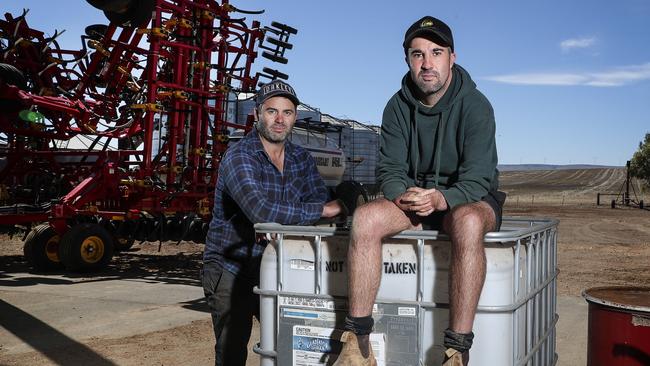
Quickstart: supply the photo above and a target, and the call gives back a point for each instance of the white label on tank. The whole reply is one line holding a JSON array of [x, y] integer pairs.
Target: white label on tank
[[402, 311], [307, 302], [309, 314], [301, 264], [314, 346]]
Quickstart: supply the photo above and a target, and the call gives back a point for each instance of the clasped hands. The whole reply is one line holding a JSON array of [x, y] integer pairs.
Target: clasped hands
[[423, 202]]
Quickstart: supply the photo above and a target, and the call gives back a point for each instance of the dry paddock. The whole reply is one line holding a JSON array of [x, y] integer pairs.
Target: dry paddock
[[147, 308]]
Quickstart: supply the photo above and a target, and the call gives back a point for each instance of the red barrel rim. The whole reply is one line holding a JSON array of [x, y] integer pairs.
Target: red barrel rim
[[622, 297]]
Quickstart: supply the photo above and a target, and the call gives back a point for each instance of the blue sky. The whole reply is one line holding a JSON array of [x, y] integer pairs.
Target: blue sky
[[569, 80]]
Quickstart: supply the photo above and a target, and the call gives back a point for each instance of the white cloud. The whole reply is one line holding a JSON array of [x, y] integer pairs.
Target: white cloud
[[618, 76], [569, 44]]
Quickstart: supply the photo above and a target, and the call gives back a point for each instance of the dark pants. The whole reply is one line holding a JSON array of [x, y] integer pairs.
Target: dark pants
[[233, 305], [495, 199]]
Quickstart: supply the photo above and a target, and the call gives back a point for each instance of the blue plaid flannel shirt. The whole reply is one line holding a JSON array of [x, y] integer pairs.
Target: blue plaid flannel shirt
[[250, 190]]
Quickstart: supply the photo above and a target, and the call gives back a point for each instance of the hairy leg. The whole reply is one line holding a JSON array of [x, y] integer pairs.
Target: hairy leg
[[371, 223], [467, 225]]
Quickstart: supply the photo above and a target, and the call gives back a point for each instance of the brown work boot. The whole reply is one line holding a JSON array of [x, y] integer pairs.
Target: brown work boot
[[351, 354], [455, 358]]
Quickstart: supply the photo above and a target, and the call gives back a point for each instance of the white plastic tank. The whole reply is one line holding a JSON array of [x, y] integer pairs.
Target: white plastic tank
[[303, 289]]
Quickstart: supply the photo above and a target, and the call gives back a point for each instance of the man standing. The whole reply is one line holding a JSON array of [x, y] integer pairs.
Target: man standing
[[437, 170], [263, 178]]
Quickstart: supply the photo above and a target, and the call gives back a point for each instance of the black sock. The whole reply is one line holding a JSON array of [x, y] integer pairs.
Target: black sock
[[458, 341], [359, 326], [362, 327]]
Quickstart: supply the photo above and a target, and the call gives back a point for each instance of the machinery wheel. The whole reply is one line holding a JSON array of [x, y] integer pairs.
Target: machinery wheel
[[96, 31], [41, 248], [110, 5], [11, 75], [353, 194], [125, 13], [123, 244], [119, 230], [86, 247]]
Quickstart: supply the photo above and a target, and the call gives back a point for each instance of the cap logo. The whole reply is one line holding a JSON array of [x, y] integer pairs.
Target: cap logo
[[426, 23], [276, 86]]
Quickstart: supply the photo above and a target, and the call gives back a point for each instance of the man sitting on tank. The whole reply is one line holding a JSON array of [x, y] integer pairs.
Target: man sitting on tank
[[437, 170]]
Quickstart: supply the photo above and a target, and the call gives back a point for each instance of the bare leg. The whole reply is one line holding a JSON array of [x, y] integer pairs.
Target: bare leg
[[371, 223], [467, 225]]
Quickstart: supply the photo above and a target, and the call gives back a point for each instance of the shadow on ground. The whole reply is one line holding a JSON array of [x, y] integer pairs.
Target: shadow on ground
[[51, 341], [180, 269]]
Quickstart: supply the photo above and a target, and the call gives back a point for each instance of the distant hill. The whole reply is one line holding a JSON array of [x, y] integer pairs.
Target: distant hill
[[528, 167]]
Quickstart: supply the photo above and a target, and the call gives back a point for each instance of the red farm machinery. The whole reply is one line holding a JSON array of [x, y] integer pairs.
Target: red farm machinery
[[120, 141]]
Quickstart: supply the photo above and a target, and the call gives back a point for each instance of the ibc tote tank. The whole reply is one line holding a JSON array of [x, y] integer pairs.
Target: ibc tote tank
[[303, 289]]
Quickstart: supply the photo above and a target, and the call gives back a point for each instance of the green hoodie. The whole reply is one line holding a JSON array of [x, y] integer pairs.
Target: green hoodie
[[449, 146]]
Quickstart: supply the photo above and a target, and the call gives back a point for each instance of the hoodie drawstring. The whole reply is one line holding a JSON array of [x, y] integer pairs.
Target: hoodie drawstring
[[441, 132], [415, 150]]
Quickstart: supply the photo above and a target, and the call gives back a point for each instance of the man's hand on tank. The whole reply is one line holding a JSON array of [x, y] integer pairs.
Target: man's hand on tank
[[334, 208]]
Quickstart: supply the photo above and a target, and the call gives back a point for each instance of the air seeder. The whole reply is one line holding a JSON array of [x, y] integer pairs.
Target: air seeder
[[120, 141]]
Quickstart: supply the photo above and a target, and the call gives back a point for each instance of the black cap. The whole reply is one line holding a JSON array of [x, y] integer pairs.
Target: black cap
[[276, 88], [430, 26]]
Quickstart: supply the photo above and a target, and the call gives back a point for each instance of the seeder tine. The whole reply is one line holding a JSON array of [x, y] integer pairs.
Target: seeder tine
[[284, 28]]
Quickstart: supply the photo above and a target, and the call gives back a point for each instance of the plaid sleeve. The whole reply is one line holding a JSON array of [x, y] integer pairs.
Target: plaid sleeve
[[241, 174]]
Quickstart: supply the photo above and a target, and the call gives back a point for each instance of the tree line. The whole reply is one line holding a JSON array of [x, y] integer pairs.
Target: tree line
[[640, 162]]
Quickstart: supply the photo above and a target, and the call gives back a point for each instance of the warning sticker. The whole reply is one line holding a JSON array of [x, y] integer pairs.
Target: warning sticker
[[314, 346]]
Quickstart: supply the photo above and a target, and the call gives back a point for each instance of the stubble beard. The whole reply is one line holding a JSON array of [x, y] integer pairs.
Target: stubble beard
[[270, 136], [426, 88]]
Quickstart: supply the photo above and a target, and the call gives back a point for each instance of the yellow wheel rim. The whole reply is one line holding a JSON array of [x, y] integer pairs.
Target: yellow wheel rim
[[52, 249], [92, 249]]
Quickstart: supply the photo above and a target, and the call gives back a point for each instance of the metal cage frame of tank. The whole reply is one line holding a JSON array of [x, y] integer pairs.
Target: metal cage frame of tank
[[537, 237]]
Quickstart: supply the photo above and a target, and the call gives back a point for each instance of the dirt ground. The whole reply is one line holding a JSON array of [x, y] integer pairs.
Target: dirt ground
[[597, 246]]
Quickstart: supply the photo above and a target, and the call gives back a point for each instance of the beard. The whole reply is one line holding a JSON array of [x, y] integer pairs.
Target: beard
[[269, 135], [428, 87]]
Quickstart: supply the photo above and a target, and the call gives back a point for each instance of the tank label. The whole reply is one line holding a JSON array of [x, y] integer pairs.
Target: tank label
[[301, 264], [334, 266], [399, 268], [405, 311], [336, 162], [322, 161], [307, 302], [309, 315]]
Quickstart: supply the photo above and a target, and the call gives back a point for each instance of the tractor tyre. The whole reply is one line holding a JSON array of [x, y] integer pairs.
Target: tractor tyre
[[41, 248], [86, 247]]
